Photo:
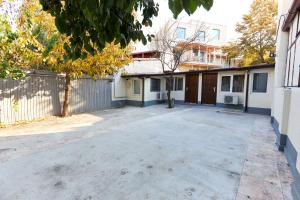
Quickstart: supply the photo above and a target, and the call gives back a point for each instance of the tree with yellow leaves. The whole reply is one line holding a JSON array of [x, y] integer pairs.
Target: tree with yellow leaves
[[9, 49], [258, 32], [99, 65], [41, 46]]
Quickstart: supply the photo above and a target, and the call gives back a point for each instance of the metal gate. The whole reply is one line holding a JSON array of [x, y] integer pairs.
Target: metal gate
[[41, 95]]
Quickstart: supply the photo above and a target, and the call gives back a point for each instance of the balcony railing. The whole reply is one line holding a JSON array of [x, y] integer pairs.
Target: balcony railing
[[201, 60]]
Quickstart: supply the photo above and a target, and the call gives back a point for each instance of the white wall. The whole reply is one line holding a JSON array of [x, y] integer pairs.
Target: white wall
[[119, 88], [144, 65], [278, 106], [148, 95], [194, 25], [294, 121], [286, 109], [293, 61], [221, 94], [179, 95], [281, 63], [261, 100], [255, 100], [281, 46], [152, 96], [130, 92]]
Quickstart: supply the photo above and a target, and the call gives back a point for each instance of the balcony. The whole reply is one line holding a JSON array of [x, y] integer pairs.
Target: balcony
[[217, 61]]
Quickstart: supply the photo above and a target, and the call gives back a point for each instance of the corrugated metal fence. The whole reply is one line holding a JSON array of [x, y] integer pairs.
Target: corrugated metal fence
[[41, 95]]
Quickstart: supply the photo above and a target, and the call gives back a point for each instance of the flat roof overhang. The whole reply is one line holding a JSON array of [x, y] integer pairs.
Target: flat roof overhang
[[195, 64], [253, 67]]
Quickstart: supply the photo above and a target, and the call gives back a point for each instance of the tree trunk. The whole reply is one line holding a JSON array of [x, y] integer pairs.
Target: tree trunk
[[169, 99], [261, 51], [261, 55], [65, 111], [170, 105]]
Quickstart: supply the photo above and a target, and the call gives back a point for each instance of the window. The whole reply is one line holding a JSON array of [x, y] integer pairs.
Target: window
[[178, 84], [202, 56], [210, 58], [293, 61], [155, 85], [201, 36], [225, 87], [216, 34], [260, 82], [175, 84], [238, 83], [136, 87], [180, 33], [195, 52], [169, 84]]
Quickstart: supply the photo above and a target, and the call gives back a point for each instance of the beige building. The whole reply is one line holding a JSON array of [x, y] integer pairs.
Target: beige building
[[247, 88], [286, 99], [204, 53]]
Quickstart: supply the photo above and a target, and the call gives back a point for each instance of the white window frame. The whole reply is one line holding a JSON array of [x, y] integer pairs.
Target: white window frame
[[133, 86], [160, 83], [184, 33], [175, 86], [198, 36], [243, 90], [230, 83], [252, 82], [214, 36]]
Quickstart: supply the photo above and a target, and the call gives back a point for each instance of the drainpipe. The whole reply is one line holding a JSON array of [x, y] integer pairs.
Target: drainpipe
[[247, 91], [143, 92]]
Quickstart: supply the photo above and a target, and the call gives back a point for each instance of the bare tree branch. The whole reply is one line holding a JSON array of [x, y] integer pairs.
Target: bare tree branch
[[172, 50]]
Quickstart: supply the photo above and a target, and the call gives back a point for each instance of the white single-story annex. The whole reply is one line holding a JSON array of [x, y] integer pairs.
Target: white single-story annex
[[248, 88]]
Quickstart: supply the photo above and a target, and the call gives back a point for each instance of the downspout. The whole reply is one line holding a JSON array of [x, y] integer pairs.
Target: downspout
[[247, 92], [143, 92]]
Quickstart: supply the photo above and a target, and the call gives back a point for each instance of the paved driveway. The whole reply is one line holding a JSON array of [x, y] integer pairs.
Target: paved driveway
[[144, 153]]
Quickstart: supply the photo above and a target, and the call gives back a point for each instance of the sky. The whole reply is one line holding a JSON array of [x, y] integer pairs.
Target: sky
[[11, 8], [223, 12]]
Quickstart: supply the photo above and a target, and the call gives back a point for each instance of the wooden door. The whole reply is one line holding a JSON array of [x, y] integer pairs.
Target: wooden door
[[191, 88], [209, 88]]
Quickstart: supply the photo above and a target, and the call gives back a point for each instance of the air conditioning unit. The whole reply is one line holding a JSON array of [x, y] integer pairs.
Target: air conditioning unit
[[231, 100]]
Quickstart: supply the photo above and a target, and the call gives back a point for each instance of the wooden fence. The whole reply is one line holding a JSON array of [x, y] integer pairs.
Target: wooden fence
[[41, 95]]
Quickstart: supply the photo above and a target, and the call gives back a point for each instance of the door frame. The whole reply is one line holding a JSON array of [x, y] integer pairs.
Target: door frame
[[197, 86], [216, 74]]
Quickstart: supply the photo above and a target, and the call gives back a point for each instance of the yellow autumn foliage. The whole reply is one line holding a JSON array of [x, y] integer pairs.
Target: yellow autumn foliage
[[106, 62], [39, 45]]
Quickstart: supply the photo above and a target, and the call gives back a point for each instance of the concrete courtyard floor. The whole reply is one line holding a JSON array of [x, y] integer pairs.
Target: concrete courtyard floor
[[151, 153]]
